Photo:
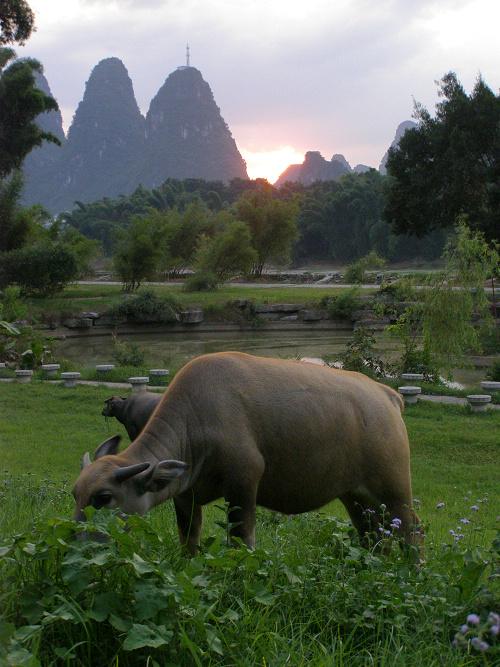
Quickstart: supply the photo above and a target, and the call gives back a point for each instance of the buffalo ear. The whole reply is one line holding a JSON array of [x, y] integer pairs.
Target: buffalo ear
[[86, 461], [109, 446], [160, 476]]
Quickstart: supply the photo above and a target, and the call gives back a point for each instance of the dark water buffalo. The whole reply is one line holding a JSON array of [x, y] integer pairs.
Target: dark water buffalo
[[286, 435], [133, 412]]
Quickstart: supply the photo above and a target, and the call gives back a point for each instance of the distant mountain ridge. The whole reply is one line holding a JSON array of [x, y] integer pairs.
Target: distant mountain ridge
[[111, 148], [316, 168], [401, 129]]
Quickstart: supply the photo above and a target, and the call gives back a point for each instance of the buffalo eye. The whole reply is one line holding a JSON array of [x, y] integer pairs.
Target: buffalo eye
[[101, 499]]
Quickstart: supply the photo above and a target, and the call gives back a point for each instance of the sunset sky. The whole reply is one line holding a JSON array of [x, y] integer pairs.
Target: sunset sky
[[335, 76]]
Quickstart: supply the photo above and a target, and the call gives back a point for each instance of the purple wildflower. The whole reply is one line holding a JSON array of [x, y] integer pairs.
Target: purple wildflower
[[439, 505], [464, 628], [495, 629], [475, 508], [473, 619], [480, 645], [464, 521], [494, 618], [416, 501]]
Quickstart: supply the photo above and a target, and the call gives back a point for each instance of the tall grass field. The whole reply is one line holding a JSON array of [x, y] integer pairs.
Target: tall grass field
[[308, 595]]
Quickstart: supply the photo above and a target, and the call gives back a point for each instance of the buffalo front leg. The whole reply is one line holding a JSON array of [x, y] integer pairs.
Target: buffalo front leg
[[189, 520]]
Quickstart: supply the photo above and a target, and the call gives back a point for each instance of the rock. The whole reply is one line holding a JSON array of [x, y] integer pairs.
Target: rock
[[314, 315], [193, 316]]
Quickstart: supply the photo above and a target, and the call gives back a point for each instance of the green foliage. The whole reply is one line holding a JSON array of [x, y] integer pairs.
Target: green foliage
[[84, 249], [139, 253], [8, 333], [361, 355], [273, 223], [42, 268], [341, 306], [448, 166], [145, 307], [14, 229], [202, 281], [21, 102], [437, 330], [132, 600], [223, 256], [127, 353], [356, 273], [17, 21], [414, 357], [493, 373], [447, 323]]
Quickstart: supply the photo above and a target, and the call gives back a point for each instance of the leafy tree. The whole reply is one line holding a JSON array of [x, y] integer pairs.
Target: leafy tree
[[42, 268], [84, 249], [14, 228], [20, 104], [17, 21], [356, 273], [225, 255], [138, 254], [449, 165], [442, 315], [272, 222]]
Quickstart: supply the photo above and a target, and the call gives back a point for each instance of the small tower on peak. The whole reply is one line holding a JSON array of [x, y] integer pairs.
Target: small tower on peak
[[187, 65]]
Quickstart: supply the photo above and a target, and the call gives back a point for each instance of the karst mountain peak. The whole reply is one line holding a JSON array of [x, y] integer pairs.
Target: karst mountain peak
[[110, 148]]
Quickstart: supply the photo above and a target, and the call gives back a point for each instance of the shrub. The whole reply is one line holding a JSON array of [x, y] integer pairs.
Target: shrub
[[493, 373], [127, 353], [341, 307], [43, 268], [202, 281], [144, 307], [361, 355]]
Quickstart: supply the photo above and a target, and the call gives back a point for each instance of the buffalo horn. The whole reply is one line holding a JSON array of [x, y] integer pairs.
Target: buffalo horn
[[122, 474]]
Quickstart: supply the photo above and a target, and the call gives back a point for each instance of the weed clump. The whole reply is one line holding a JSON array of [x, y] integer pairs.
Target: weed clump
[[146, 307]]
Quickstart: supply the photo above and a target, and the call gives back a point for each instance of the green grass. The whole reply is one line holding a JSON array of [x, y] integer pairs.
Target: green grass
[[308, 596]]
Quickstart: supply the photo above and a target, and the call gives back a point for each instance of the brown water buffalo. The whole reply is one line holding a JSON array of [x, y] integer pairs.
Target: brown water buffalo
[[133, 412], [286, 435]]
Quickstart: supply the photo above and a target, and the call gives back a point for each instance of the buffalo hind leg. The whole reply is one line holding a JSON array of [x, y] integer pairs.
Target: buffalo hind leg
[[372, 516], [364, 516], [189, 520]]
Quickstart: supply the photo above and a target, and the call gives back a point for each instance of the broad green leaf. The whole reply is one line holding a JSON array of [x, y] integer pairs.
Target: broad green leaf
[[142, 635], [104, 605], [258, 591], [149, 600]]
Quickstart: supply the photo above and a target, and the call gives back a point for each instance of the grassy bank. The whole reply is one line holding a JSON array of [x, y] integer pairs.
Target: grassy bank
[[309, 595], [98, 297]]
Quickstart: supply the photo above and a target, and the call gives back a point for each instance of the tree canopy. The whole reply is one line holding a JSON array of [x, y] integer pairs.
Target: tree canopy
[[273, 223], [449, 165], [17, 21], [20, 104]]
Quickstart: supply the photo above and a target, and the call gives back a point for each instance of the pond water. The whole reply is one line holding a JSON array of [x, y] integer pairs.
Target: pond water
[[174, 349]]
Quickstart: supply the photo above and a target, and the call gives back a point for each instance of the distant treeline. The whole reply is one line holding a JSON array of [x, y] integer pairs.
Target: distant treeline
[[339, 221]]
